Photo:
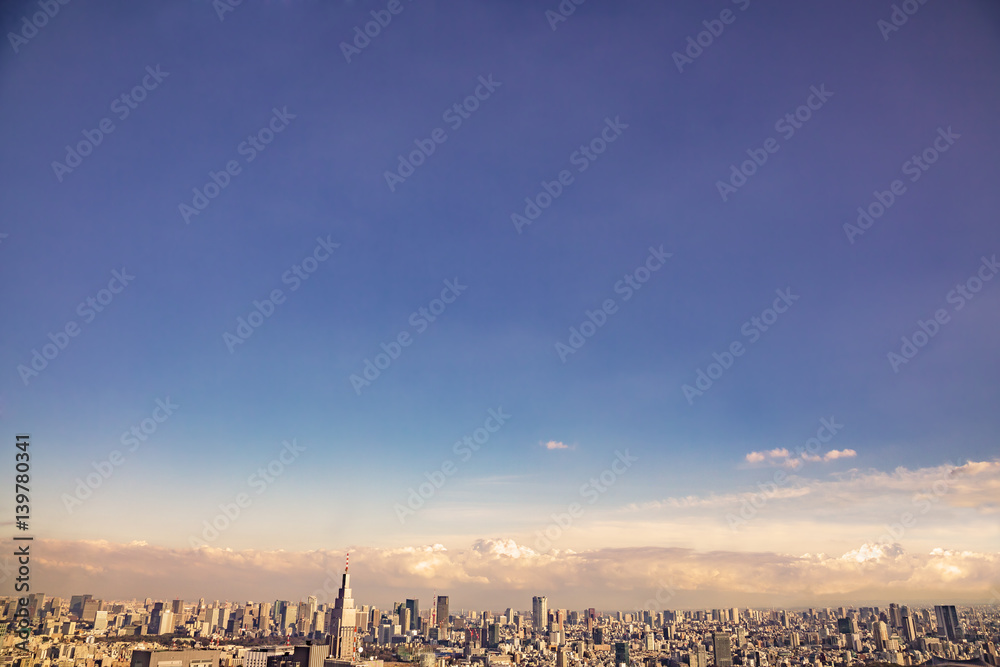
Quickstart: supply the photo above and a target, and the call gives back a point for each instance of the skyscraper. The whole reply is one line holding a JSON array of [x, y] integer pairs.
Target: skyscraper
[[414, 607], [442, 613], [722, 649], [880, 634], [948, 623], [539, 612], [909, 630], [343, 636], [76, 604], [289, 614], [621, 653]]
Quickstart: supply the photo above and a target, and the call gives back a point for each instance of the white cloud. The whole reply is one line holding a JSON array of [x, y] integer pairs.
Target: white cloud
[[781, 457], [555, 444], [500, 572]]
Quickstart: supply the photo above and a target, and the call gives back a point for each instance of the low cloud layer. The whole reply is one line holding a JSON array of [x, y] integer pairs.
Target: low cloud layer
[[499, 573]]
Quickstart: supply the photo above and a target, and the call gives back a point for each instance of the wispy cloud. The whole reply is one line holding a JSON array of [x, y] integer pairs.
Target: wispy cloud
[[555, 444], [831, 455], [785, 459], [973, 485]]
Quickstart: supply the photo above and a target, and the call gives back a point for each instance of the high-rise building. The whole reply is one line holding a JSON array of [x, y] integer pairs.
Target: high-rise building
[[414, 607], [177, 607], [699, 657], [909, 630], [894, 615], [343, 637], [76, 604], [948, 623], [722, 649], [289, 614], [162, 622], [847, 626], [539, 612], [90, 608], [442, 613], [880, 634], [621, 653], [264, 617]]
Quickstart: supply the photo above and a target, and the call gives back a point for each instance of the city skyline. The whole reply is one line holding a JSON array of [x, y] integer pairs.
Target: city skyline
[[505, 299]]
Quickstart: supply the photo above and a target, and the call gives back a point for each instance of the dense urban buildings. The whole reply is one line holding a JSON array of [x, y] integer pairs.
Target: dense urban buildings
[[89, 632]]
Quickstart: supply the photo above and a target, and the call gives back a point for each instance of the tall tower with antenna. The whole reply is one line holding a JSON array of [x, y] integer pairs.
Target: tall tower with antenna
[[343, 638]]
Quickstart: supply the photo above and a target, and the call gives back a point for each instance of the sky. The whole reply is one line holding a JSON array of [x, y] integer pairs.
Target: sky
[[666, 304]]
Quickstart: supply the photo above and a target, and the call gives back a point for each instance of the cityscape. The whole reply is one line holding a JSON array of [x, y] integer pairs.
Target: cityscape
[[499, 333]]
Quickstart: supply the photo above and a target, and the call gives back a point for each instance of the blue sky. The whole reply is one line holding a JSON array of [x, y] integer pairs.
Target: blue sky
[[495, 346]]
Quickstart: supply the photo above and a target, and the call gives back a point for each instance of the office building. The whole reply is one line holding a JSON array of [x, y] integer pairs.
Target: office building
[[414, 607], [171, 658], [343, 637], [621, 653], [76, 604], [948, 624], [539, 612], [257, 657], [722, 649], [442, 613]]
